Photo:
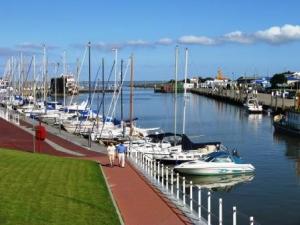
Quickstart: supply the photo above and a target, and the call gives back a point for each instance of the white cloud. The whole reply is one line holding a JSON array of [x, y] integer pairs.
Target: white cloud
[[238, 37], [164, 41], [278, 34], [196, 40], [138, 43], [272, 35], [34, 46]]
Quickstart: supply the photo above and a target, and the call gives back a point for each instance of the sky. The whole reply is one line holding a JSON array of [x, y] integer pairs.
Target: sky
[[249, 37]]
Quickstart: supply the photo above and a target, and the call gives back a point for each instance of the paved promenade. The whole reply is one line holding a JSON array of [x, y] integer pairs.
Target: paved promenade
[[137, 201]]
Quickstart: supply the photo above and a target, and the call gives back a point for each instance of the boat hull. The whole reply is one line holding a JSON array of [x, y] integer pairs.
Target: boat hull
[[208, 169], [285, 129]]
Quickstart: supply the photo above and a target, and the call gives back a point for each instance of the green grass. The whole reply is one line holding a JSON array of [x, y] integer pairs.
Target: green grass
[[38, 189]]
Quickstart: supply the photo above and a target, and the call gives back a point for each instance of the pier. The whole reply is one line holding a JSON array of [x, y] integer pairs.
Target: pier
[[238, 97]]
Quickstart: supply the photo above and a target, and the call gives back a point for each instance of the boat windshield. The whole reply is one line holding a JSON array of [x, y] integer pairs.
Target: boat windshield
[[222, 159], [214, 155]]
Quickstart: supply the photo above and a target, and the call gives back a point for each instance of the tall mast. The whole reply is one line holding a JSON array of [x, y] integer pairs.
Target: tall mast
[[64, 76], [103, 91], [77, 73], [123, 130], [89, 101], [34, 82], [55, 83], [131, 94], [175, 96], [116, 60], [184, 97], [20, 72], [45, 73]]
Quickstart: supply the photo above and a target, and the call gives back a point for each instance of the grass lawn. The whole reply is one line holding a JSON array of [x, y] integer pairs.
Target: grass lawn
[[40, 189]]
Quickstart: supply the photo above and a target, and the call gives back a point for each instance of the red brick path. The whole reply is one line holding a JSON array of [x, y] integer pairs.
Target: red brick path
[[139, 203]]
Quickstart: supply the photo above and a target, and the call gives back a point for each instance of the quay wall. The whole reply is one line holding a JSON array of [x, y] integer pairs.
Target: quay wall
[[238, 97]]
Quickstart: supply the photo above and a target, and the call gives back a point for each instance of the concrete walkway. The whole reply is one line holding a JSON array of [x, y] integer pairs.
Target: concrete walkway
[[137, 201]]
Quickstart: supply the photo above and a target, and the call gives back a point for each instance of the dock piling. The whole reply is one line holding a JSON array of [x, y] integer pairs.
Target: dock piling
[[177, 186], [199, 203], [172, 181], [234, 216], [191, 196], [220, 211], [183, 190], [251, 220], [167, 178], [208, 208]]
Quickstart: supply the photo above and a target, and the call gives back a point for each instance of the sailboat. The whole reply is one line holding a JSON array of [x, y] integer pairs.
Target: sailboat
[[188, 150]]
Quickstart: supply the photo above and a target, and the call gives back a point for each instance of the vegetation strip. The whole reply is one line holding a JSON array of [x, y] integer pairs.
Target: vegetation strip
[[41, 189]]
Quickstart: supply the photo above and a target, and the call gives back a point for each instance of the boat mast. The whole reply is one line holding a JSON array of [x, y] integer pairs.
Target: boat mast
[[64, 77], [116, 60], [131, 94], [122, 123], [103, 91], [20, 72], [175, 96], [184, 96], [89, 101], [34, 84], [45, 73], [55, 83]]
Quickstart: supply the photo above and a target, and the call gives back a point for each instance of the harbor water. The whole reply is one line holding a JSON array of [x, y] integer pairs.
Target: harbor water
[[272, 195]]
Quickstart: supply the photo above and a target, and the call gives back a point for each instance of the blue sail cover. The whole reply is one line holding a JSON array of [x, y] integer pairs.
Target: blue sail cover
[[187, 144]]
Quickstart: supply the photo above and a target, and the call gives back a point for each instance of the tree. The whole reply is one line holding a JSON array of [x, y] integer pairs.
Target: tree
[[278, 78]]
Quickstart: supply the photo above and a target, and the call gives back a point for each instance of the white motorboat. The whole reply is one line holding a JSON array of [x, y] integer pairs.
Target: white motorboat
[[253, 106], [216, 163]]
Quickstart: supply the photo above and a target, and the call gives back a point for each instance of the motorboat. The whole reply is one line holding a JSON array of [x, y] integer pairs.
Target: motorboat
[[253, 106], [216, 163]]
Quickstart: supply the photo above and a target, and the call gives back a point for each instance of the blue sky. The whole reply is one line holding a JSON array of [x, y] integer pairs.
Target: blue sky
[[240, 37]]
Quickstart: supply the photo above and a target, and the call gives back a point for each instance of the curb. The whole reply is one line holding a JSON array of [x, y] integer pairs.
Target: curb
[[112, 197]]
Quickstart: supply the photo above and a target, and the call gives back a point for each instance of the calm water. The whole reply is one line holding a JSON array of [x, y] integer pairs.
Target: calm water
[[272, 196]]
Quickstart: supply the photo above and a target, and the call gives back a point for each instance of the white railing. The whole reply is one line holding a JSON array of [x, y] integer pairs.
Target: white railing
[[186, 196], [10, 115]]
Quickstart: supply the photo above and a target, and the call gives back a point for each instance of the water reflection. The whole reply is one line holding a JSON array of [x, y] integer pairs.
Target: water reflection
[[255, 119], [292, 149], [292, 144], [224, 183]]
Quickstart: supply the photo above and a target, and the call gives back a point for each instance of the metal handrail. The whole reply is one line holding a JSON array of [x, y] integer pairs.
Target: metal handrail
[[169, 183]]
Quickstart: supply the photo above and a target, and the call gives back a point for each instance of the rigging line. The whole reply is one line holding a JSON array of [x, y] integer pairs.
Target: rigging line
[[98, 110], [119, 87], [90, 111], [95, 84], [102, 100], [113, 97], [79, 72], [29, 67]]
